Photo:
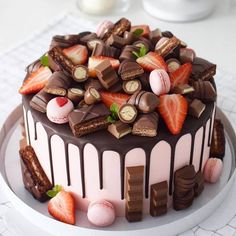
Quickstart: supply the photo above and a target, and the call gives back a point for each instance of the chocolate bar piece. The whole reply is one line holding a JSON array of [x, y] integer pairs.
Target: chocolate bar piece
[[183, 89], [105, 50], [130, 69], [186, 55], [58, 84], [116, 41], [218, 140], [34, 177], [168, 46], [202, 69], [61, 59], [146, 125], [88, 119], [199, 184], [75, 94], [145, 101], [119, 28], [184, 183], [158, 199], [119, 129], [40, 100], [196, 108], [127, 52], [106, 74], [132, 86], [64, 41], [134, 187], [155, 36], [204, 91]]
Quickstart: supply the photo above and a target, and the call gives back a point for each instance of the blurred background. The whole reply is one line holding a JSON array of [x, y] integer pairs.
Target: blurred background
[[213, 37]]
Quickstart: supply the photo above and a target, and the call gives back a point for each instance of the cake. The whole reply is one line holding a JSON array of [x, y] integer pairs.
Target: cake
[[125, 114]]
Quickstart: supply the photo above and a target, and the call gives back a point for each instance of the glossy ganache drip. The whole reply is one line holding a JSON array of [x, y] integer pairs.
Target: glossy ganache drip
[[121, 146]]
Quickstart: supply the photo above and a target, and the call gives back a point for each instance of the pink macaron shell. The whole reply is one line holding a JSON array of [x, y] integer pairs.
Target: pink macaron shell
[[213, 170], [101, 213], [59, 114], [159, 81], [103, 27]]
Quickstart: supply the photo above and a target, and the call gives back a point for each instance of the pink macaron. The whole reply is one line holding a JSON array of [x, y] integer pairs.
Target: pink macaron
[[213, 170], [58, 110], [161, 42], [103, 27], [159, 81], [101, 213]]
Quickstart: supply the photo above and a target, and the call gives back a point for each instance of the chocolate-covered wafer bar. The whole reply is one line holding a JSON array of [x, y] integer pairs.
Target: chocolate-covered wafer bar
[[58, 84], [64, 41], [60, 58], [158, 199], [127, 52], [204, 91], [119, 28], [168, 46], [183, 89], [34, 177], [134, 186], [144, 101], [199, 184], [155, 36], [218, 140], [146, 125], [105, 50], [130, 69], [202, 69], [106, 74], [196, 108], [88, 119], [116, 41], [184, 183], [40, 100], [119, 129]]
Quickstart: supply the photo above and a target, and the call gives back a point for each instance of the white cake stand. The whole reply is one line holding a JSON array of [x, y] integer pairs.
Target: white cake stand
[[179, 10], [170, 224]]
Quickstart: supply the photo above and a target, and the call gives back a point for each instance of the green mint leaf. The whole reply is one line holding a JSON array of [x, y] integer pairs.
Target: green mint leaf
[[54, 191], [44, 60], [136, 54], [142, 51], [114, 108], [138, 32], [110, 119]]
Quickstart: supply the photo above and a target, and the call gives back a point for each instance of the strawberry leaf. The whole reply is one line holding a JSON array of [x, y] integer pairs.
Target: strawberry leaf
[[136, 54], [138, 32], [54, 191], [141, 53], [44, 60]]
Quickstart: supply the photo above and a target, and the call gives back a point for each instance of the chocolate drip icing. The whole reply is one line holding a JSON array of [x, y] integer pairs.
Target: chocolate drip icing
[[27, 123], [192, 149], [50, 158], [121, 146], [211, 126], [100, 164], [81, 154], [202, 148], [209, 136], [35, 131], [67, 164]]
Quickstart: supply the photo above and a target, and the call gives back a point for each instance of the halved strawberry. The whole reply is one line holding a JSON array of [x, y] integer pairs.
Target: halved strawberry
[[173, 109], [181, 75], [62, 207], [95, 60], [78, 54], [145, 28], [110, 98], [152, 61], [35, 81]]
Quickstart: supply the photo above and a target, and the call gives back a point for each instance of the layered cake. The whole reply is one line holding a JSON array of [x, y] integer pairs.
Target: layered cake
[[123, 116]]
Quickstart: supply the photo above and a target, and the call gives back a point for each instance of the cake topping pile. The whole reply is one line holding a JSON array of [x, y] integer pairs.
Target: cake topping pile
[[122, 78]]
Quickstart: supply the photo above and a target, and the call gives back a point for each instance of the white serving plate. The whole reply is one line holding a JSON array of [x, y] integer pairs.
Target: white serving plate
[[170, 224]]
